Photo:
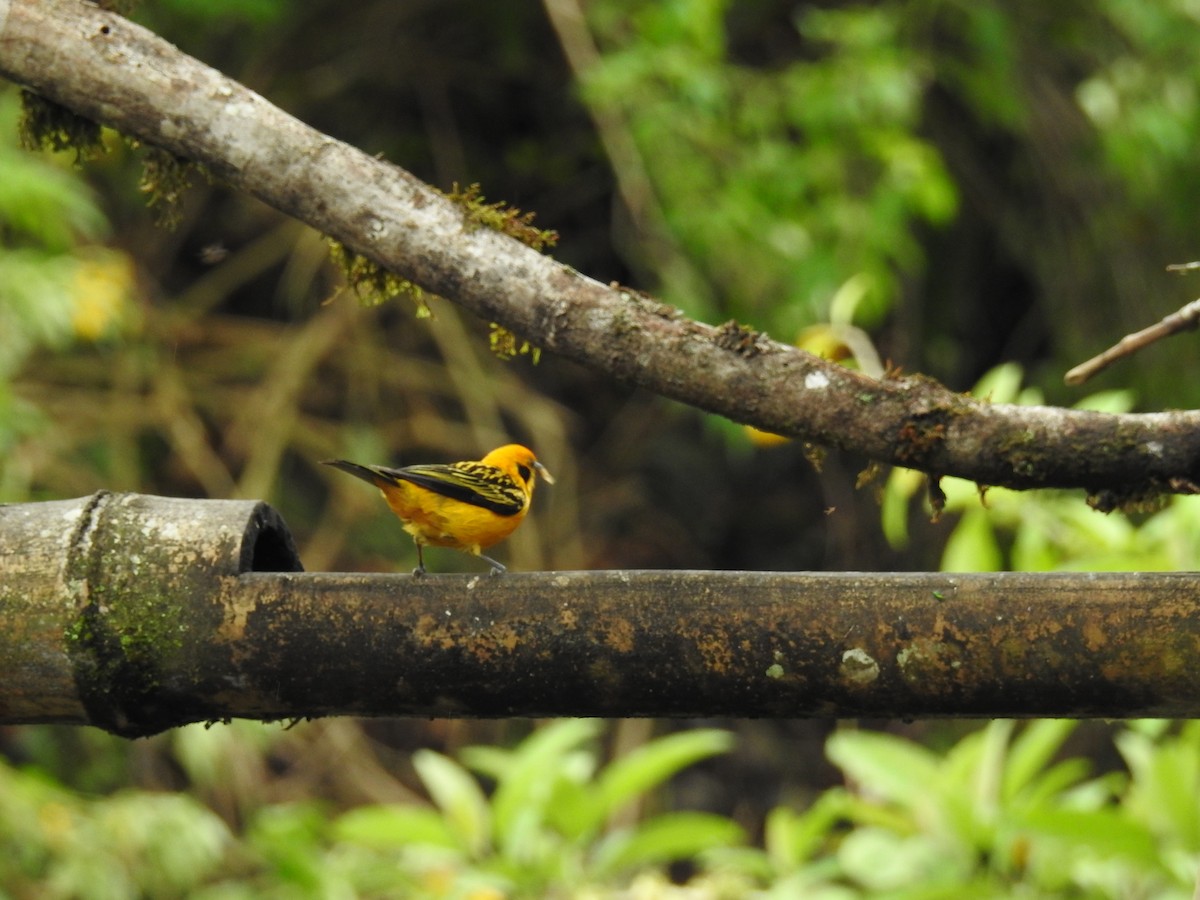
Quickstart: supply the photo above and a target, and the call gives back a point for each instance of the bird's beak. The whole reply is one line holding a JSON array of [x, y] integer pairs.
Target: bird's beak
[[545, 473]]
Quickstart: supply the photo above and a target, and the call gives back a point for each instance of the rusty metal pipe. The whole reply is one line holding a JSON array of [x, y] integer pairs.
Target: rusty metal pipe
[[675, 643], [141, 613]]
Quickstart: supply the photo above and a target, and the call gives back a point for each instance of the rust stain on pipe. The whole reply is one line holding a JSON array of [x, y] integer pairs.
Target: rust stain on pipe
[[749, 644], [177, 611]]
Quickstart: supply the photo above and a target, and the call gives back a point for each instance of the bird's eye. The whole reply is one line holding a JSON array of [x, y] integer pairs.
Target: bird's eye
[[525, 472]]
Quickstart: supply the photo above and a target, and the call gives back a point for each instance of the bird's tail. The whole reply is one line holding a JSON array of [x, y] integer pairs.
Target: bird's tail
[[372, 474]]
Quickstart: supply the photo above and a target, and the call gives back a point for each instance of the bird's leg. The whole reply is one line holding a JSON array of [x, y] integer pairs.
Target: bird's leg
[[497, 568], [420, 569]]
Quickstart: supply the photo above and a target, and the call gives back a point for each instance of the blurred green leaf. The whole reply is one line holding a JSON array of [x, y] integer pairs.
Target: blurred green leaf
[[651, 764], [55, 843], [973, 546], [526, 782], [289, 837], [459, 797], [45, 206], [664, 838], [1115, 401], [1101, 833], [1031, 753], [395, 826], [36, 303], [883, 861], [44, 202], [885, 766], [792, 838], [1001, 384], [814, 168], [1165, 782]]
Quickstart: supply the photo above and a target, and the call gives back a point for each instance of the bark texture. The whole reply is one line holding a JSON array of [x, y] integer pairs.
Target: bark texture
[[106, 68]]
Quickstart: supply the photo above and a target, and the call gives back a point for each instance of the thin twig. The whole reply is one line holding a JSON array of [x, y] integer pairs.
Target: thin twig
[[634, 182], [1183, 267], [1186, 318]]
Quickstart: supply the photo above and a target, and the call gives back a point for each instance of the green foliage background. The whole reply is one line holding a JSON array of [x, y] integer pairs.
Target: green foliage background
[[987, 192]]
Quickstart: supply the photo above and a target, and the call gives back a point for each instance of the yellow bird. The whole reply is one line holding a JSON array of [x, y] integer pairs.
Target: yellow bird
[[465, 506]]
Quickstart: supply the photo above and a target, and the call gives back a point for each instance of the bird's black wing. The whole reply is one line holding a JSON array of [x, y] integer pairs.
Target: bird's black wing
[[470, 482]]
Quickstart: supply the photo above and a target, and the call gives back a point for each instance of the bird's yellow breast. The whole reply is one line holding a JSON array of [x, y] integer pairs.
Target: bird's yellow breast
[[439, 521]]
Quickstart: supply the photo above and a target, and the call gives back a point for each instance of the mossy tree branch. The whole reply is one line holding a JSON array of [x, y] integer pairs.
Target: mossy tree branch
[[106, 68]]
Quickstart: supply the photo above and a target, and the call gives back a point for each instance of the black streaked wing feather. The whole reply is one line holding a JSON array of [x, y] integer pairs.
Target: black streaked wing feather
[[471, 482]]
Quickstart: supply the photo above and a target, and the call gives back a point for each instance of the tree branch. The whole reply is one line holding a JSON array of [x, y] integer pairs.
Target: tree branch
[[109, 69], [136, 614], [1186, 318]]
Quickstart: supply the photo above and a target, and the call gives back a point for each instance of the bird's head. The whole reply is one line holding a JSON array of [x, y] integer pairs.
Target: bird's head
[[518, 463]]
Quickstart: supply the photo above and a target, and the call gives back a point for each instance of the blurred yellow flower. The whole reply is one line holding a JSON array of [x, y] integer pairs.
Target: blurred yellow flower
[[102, 295]]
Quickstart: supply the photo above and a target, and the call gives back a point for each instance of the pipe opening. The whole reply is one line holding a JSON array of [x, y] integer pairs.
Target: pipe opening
[[268, 545]]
